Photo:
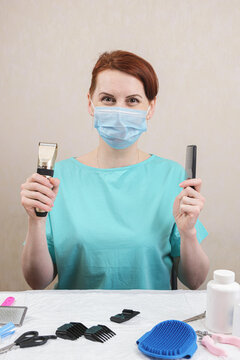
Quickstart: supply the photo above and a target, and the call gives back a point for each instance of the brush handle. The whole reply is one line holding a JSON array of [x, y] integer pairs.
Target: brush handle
[[8, 301], [47, 173], [7, 329]]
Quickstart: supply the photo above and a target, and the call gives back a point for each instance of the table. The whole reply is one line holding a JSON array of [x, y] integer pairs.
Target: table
[[49, 309]]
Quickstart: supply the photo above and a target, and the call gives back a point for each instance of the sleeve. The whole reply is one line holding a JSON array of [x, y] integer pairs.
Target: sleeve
[[49, 236], [175, 240]]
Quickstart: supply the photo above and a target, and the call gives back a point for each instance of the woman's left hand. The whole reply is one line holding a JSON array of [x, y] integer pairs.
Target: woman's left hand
[[187, 206]]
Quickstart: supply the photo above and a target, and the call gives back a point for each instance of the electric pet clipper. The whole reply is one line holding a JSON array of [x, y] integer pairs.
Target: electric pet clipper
[[191, 161], [47, 153]]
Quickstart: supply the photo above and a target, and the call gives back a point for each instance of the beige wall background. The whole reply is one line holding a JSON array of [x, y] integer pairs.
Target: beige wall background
[[47, 51]]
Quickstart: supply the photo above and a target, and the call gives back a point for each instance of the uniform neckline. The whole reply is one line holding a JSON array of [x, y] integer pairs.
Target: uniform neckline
[[129, 167]]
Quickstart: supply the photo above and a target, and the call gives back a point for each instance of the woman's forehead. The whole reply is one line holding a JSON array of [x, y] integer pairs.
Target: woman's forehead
[[114, 82]]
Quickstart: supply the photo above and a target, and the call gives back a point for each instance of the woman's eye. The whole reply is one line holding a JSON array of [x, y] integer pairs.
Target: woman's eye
[[108, 99], [133, 100]]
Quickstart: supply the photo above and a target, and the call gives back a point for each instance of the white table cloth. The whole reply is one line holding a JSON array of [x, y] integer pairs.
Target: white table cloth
[[49, 309]]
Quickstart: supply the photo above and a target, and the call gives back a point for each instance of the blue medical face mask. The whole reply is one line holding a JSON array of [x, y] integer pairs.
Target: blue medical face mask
[[119, 127]]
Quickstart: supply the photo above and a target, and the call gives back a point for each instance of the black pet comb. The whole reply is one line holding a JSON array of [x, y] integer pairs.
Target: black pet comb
[[71, 331], [100, 333]]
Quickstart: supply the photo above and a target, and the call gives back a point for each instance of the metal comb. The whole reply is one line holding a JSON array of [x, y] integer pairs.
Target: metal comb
[[100, 333]]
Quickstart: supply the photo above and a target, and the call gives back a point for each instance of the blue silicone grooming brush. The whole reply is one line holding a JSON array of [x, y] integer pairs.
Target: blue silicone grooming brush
[[170, 339]]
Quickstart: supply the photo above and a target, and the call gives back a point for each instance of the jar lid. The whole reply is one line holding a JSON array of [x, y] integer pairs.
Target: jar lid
[[224, 276]]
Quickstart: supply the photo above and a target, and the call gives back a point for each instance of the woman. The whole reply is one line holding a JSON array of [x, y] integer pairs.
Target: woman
[[119, 219]]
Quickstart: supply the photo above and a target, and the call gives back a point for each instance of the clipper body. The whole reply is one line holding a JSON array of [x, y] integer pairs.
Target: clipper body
[[47, 153]]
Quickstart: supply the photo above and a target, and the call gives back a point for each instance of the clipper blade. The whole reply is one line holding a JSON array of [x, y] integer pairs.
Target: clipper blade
[[47, 153]]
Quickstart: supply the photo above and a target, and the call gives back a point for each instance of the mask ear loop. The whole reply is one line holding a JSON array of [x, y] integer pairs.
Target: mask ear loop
[[147, 120], [92, 116], [145, 132]]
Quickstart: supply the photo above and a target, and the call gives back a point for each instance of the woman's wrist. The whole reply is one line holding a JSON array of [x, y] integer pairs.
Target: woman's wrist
[[36, 232], [189, 235], [36, 222]]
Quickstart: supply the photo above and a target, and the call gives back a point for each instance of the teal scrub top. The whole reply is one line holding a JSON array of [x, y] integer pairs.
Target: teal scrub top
[[114, 228]]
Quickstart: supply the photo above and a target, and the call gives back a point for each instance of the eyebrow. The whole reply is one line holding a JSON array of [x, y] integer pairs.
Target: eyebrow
[[105, 93]]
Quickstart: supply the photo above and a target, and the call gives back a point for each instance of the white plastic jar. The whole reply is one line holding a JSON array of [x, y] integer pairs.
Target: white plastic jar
[[236, 320], [222, 294]]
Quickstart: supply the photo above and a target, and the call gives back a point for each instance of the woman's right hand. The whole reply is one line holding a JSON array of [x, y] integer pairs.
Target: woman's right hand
[[39, 192]]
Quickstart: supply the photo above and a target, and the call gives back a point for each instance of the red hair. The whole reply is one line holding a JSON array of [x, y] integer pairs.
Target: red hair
[[131, 64]]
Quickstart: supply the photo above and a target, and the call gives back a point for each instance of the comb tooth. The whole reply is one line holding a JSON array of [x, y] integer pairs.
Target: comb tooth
[[79, 327], [109, 331], [99, 333], [102, 339], [97, 338], [110, 334], [102, 335]]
